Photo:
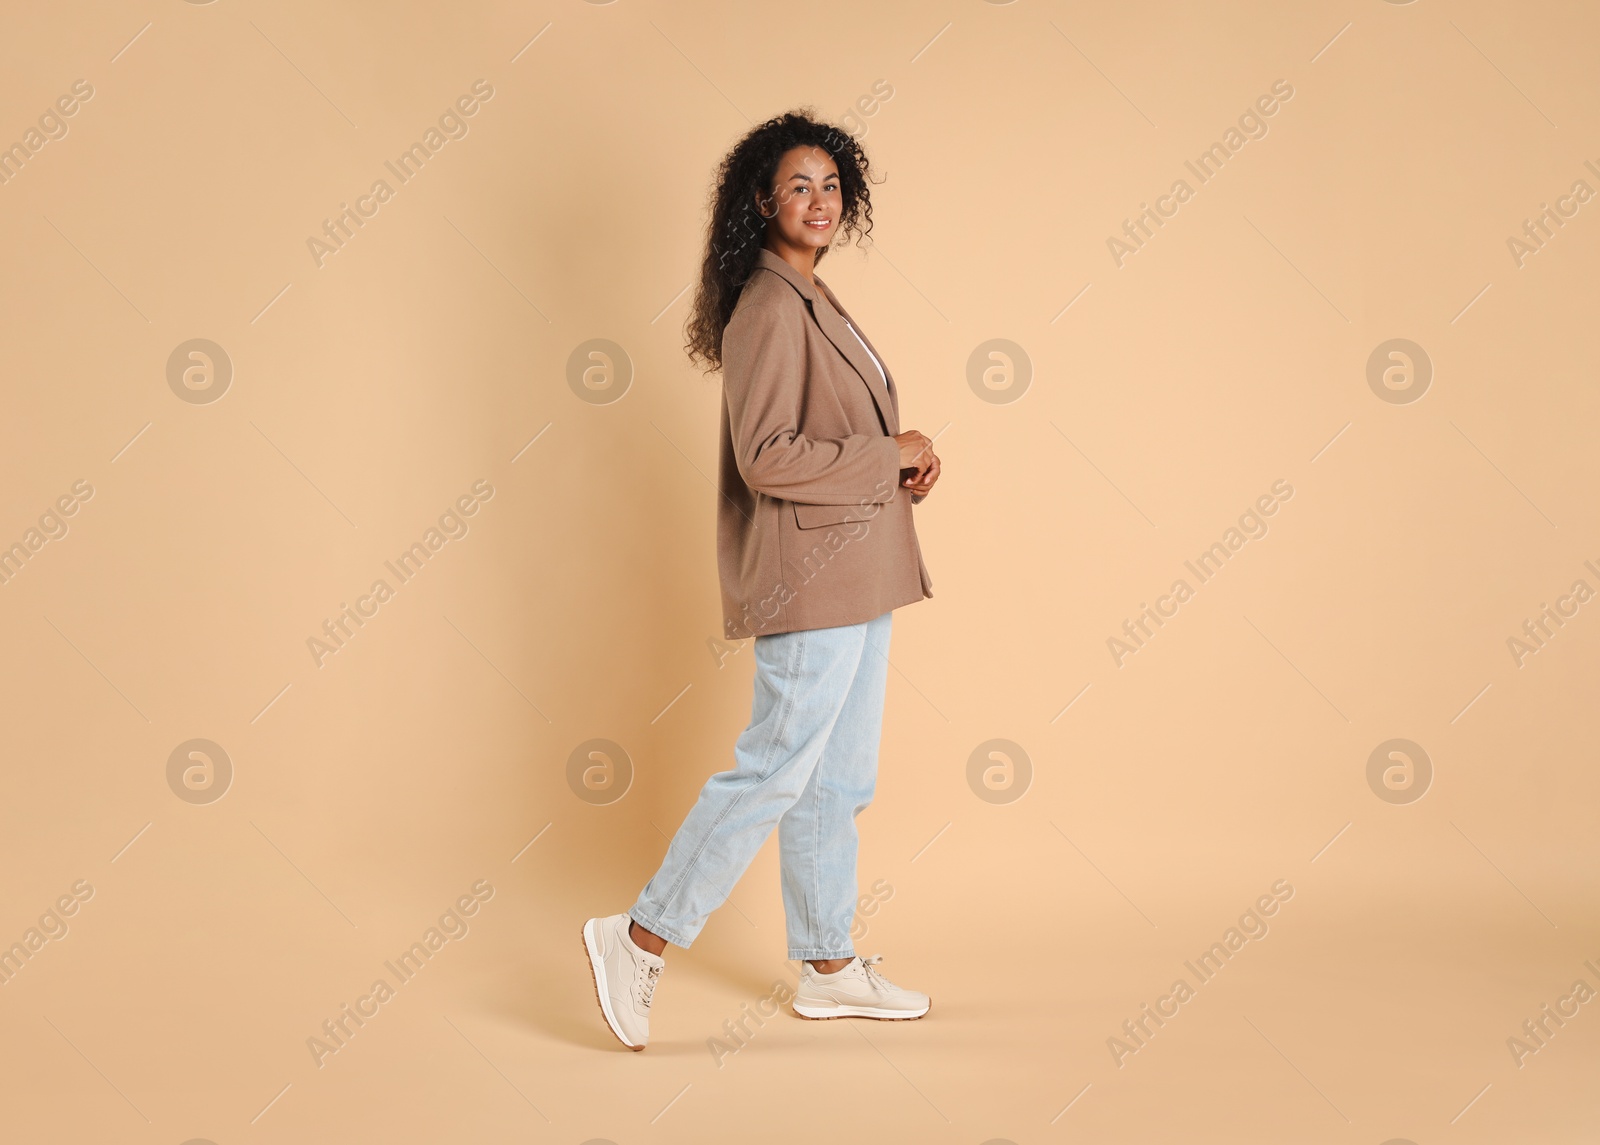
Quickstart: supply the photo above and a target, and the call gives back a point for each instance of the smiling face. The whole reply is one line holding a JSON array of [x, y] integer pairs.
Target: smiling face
[[804, 206]]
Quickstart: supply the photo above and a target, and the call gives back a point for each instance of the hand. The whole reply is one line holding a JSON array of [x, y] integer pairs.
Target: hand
[[916, 451], [921, 484]]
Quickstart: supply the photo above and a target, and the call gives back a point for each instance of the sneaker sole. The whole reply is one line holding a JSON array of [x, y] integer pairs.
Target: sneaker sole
[[823, 1014], [596, 972]]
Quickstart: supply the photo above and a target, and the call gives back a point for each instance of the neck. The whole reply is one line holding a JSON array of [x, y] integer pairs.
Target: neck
[[803, 259]]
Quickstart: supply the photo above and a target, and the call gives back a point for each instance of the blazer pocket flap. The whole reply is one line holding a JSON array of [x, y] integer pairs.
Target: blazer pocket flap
[[816, 516]]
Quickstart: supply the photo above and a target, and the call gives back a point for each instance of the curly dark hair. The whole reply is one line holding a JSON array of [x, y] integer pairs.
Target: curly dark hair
[[737, 229]]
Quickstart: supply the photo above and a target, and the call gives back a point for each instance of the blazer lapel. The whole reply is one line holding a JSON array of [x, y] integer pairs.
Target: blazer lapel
[[830, 318], [833, 318]]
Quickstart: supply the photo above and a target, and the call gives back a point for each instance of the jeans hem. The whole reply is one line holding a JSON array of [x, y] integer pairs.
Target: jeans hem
[[655, 929], [796, 955]]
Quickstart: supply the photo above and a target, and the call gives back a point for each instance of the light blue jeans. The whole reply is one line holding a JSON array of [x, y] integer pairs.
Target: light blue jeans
[[807, 764]]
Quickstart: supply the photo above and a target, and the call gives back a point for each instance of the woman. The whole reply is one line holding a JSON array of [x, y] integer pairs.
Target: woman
[[815, 550]]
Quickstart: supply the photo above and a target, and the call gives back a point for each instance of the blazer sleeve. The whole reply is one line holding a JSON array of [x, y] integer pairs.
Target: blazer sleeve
[[763, 378]]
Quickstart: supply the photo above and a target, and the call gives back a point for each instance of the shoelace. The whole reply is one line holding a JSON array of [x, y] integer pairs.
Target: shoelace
[[647, 988], [874, 975]]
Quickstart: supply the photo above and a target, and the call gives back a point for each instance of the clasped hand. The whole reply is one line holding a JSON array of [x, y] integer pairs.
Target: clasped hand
[[917, 455]]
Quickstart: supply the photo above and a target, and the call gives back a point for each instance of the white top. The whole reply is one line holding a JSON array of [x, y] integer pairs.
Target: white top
[[868, 349]]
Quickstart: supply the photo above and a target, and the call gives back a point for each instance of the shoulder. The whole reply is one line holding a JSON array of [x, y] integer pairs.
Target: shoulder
[[767, 301]]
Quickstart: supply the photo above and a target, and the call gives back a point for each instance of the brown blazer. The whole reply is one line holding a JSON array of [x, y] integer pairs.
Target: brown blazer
[[814, 529]]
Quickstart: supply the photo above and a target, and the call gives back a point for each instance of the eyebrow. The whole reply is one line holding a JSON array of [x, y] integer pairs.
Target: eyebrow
[[807, 178]]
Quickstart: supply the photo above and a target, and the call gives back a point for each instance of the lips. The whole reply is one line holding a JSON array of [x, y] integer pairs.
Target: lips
[[819, 224]]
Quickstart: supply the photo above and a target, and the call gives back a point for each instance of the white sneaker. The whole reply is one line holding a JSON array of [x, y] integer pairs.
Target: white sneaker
[[624, 978], [857, 990]]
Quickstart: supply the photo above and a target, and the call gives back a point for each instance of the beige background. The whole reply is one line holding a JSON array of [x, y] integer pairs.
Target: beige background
[[371, 792]]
